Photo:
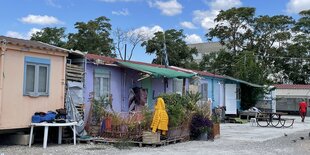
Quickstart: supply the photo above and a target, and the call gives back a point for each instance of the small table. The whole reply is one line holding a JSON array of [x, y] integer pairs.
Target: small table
[[46, 125], [248, 114]]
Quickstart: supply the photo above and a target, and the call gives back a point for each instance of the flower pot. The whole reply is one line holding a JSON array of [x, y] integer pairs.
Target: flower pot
[[108, 123], [203, 137], [216, 130]]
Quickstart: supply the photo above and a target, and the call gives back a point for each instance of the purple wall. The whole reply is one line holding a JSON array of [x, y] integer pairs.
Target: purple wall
[[116, 84], [122, 80]]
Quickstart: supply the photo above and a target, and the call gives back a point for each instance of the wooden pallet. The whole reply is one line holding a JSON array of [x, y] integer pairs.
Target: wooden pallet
[[112, 141], [87, 140], [74, 73]]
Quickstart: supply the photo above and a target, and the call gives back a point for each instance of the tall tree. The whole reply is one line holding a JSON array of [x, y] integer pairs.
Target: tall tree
[[51, 35], [248, 69], [302, 30], [297, 68], [92, 37], [128, 39], [271, 36], [298, 52], [233, 28], [218, 62], [179, 54]]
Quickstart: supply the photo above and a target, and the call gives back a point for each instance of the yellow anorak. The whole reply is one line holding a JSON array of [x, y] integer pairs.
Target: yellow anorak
[[160, 118]]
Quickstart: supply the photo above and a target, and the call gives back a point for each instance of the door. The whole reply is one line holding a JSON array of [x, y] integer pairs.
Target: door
[[230, 99]]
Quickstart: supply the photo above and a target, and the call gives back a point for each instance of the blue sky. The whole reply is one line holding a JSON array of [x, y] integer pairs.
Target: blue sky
[[20, 18]]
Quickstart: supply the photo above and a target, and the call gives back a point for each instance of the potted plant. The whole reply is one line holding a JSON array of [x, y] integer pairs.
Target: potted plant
[[200, 128], [216, 119], [201, 125]]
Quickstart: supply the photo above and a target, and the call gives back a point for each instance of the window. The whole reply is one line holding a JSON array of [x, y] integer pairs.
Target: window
[[177, 86], [204, 91], [101, 83], [36, 77]]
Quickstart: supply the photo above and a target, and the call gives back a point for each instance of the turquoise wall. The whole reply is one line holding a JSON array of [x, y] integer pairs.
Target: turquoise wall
[[213, 90]]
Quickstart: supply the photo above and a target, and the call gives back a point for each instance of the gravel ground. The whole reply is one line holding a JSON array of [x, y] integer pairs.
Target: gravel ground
[[285, 145], [236, 139]]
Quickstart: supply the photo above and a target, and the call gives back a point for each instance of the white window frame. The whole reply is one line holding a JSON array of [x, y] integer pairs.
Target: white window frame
[[204, 91], [177, 86], [36, 92], [101, 74]]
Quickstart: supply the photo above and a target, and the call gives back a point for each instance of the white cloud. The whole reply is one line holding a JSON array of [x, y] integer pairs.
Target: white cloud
[[168, 8], [41, 20], [123, 12], [205, 18], [295, 6], [113, 1], [148, 32], [193, 39], [32, 31], [223, 4], [188, 25], [19, 35]]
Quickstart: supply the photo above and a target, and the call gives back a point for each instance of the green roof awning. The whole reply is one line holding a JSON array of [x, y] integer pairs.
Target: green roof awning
[[156, 71]]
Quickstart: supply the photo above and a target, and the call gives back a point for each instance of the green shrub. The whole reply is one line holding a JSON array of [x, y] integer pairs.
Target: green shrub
[[175, 108]]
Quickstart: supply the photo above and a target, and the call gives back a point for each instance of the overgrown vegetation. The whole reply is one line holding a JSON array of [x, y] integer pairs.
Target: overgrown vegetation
[[176, 108]]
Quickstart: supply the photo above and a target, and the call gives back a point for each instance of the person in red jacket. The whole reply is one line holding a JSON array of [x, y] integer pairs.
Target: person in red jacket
[[302, 110]]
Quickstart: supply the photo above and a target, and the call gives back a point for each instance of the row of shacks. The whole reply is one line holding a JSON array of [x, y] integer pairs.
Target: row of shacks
[[35, 77]]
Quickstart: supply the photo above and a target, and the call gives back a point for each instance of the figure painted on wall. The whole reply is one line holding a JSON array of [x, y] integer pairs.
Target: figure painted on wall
[[137, 99]]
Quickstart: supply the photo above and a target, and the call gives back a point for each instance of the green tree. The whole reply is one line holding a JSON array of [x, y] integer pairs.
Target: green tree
[[233, 28], [92, 37], [246, 68], [297, 53], [271, 36], [51, 35], [297, 64], [179, 54], [218, 62]]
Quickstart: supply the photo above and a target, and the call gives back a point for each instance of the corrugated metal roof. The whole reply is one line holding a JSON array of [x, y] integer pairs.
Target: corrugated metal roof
[[291, 86], [32, 44]]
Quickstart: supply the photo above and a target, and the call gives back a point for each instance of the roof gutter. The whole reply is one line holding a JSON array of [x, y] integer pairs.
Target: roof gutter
[[242, 81]]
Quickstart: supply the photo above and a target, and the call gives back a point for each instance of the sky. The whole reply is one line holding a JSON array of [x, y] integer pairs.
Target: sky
[[21, 18]]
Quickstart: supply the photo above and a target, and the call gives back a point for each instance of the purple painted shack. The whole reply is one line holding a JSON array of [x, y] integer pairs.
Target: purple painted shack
[[114, 77]]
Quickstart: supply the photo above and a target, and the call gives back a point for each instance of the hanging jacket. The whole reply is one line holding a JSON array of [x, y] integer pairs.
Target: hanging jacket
[[160, 118]]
